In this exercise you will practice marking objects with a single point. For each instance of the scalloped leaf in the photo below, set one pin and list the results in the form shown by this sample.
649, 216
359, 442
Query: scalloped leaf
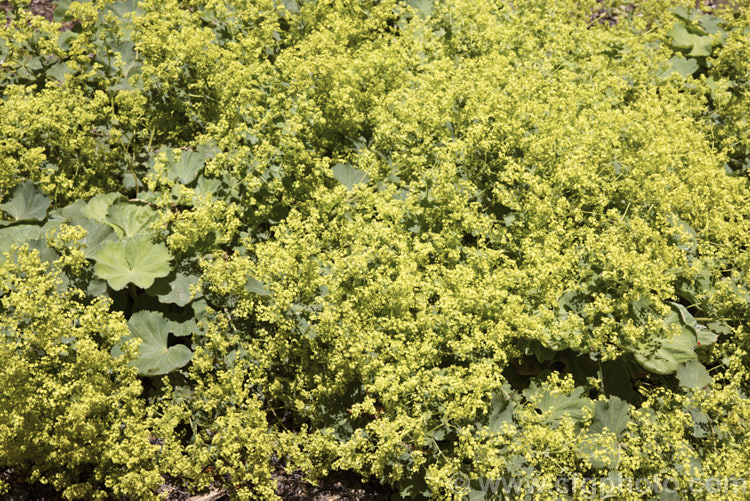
256, 287
132, 260
187, 168
129, 220
96, 233
98, 207
27, 203
675, 351
558, 405
613, 415
501, 411
684, 67
350, 176
155, 356
177, 291
423, 7
693, 375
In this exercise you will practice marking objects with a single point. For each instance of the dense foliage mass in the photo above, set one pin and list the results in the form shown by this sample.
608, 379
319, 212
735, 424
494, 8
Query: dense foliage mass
432, 243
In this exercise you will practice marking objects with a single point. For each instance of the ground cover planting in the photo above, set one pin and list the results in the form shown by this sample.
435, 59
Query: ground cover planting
458, 249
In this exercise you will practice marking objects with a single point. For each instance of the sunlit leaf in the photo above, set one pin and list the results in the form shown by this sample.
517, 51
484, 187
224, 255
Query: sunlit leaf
684, 67
155, 356
613, 415
255, 287
132, 260
98, 206
27, 203
350, 176
130, 219
693, 375
187, 168
177, 291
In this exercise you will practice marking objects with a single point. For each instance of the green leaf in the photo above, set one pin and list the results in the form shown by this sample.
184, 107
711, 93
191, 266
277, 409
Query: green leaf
693, 375
701, 422
132, 260
178, 290
129, 220
255, 287
124, 7
672, 352
61, 8
601, 452
98, 206
131, 66
27, 203
96, 288
96, 233
350, 176
699, 46
206, 186
501, 411
18, 235
156, 358
58, 71
290, 5
423, 7
720, 327
702, 46
681, 38
711, 24
613, 415
684, 13
559, 405
684, 315
182, 329
187, 168
685, 67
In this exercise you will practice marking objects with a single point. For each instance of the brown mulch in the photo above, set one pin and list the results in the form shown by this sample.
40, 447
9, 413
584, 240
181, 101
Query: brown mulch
338, 486
44, 8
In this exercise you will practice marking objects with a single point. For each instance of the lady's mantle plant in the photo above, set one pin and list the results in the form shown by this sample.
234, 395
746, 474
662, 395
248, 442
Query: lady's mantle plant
419, 241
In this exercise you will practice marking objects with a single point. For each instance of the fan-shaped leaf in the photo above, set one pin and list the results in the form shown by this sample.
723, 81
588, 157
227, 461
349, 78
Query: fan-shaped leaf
156, 358
98, 206
672, 352
613, 415
255, 287
178, 290
129, 220
186, 328
349, 176
186, 169
27, 202
681, 38
558, 405
206, 186
132, 260
693, 375
685, 67
96, 233
500, 412
16, 235
423, 7
601, 451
